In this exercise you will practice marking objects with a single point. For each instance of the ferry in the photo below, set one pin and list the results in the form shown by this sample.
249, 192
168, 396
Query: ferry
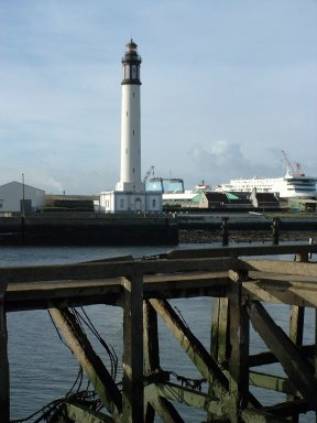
292, 185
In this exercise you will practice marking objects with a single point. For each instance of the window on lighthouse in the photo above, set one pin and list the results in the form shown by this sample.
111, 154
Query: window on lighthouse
126, 72
134, 72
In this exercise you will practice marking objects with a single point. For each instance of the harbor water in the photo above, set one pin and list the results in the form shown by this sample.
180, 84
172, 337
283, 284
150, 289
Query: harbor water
43, 369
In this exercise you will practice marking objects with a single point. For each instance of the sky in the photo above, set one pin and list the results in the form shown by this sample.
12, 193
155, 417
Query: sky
226, 85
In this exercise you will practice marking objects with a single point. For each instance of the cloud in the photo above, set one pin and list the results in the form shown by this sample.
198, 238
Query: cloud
223, 160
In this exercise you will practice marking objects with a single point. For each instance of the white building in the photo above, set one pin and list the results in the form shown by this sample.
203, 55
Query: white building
13, 193
130, 194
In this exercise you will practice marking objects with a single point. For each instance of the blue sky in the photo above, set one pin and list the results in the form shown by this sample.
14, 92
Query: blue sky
226, 86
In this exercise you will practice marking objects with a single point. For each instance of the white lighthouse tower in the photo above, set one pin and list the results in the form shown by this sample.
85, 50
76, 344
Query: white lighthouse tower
130, 174
130, 195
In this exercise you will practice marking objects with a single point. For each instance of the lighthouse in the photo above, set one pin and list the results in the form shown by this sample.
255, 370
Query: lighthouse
130, 195
130, 164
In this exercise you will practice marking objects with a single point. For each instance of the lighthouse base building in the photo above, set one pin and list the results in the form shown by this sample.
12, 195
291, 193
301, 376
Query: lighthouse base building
130, 194
121, 202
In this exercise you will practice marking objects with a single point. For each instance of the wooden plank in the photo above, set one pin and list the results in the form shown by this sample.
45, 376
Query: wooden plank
243, 251
4, 362
296, 367
282, 266
81, 414
275, 293
36, 295
205, 364
90, 362
88, 271
132, 382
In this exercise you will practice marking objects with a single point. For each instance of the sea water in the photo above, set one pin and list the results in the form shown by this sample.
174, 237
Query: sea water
43, 369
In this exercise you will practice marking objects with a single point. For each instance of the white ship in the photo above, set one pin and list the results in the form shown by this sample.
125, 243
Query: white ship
295, 184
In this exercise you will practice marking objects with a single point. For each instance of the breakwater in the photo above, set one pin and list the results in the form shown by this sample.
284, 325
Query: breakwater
95, 230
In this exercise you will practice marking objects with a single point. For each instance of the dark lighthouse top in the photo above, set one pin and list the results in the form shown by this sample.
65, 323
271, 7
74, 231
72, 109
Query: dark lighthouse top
131, 62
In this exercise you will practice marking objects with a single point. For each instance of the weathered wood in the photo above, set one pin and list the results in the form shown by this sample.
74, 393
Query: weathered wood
4, 362
205, 364
166, 410
102, 270
90, 362
151, 352
81, 414
189, 397
296, 331
274, 292
268, 357
132, 382
296, 367
243, 251
282, 266
36, 295
239, 349
271, 382
219, 331
288, 408
259, 416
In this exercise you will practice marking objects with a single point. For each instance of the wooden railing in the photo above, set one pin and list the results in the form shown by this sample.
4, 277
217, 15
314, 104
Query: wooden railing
142, 288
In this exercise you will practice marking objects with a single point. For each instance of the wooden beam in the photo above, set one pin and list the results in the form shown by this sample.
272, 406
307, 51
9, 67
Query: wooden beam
205, 364
271, 382
259, 416
190, 398
220, 330
275, 292
239, 349
282, 266
243, 251
4, 362
132, 383
268, 357
296, 367
102, 270
81, 414
151, 352
90, 362
165, 410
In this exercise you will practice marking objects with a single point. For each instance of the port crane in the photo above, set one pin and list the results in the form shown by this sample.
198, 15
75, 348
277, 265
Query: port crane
294, 168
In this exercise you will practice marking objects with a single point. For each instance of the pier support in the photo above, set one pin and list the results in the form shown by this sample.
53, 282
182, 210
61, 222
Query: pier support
132, 383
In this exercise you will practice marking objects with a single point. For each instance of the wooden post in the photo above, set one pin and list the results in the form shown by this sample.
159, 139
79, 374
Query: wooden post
275, 230
151, 351
4, 362
296, 329
239, 351
132, 389
225, 231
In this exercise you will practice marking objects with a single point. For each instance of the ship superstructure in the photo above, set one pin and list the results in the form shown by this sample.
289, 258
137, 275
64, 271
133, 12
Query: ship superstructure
295, 184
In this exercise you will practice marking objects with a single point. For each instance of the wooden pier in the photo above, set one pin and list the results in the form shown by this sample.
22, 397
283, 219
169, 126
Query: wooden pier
240, 288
